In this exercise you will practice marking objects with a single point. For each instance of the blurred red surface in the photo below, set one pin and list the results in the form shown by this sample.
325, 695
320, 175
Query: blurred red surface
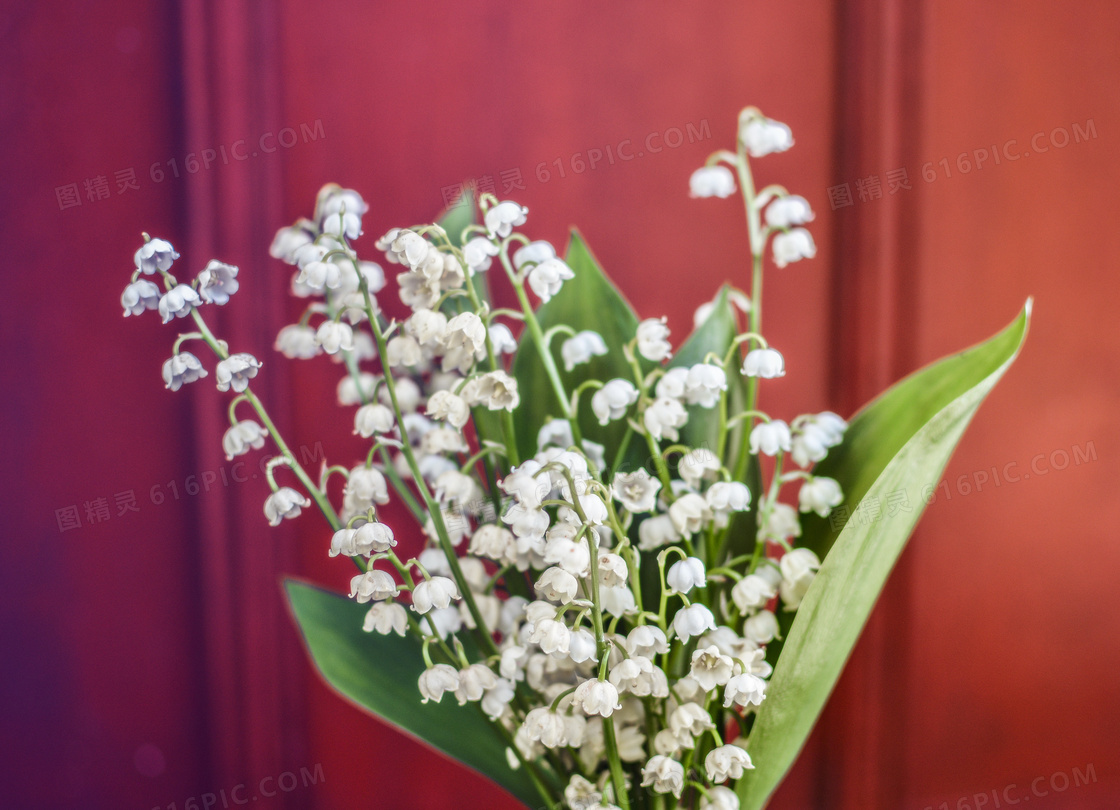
148, 656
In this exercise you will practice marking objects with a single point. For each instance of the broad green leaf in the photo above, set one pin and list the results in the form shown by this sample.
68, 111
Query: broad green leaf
379, 674
899, 443
587, 301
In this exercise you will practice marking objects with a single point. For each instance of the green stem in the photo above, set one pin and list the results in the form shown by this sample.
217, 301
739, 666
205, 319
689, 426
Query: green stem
316, 494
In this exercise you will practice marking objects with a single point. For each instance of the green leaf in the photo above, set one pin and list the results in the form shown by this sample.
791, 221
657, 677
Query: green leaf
379, 674
900, 442
587, 301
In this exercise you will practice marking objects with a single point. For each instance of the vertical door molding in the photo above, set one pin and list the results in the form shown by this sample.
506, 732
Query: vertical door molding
232, 91
878, 97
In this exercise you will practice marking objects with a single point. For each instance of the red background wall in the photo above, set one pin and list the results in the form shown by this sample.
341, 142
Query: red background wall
148, 657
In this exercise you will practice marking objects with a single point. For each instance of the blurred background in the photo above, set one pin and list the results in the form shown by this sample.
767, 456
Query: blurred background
961, 156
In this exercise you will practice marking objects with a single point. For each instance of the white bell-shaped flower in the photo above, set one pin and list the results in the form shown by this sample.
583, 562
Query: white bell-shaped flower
710, 668
686, 574
785, 212
450, 408
765, 363
764, 136
474, 680
581, 347
535, 252
353, 392
154, 255
384, 618
636, 491
479, 253
372, 538
178, 302
297, 342
335, 337
437, 592
726, 762
728, 496
181, 369
664, 775
653, 340
426, 326
372, 420
290, 239
689, 513
770, 437
752, 592
612, 400
744, 689
436, 680
503, 218
403, 246
711, 181
546, 278
236, 371
663, 416
217, 282
501, 338
319, 276
703, 385
761, 628
140, 296
497, 390
820, 494
373, 586
719, 797
793, 246
692, 621
284, 503
242, 437
596, 697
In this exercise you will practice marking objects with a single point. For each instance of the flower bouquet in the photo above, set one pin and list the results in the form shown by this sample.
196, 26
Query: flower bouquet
614, 606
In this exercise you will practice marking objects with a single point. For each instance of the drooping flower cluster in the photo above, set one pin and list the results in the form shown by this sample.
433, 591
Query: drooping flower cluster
623, 612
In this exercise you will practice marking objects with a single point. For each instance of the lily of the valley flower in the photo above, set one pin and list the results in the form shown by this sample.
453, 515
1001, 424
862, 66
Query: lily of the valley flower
686, 574
726, 762
297, 341
140, 296
504, 217
711, 181
242, 437
819, 494
236, 371
770, 437
436, 592
284, 503
612, 400
385, 618
335, 337
664, 775
436, 680
217, 282
764, 136
785, 212
181, 369
653, 340
155, 255
546, 278
178, 302
535, 252
793, 246
765, 363
581, 347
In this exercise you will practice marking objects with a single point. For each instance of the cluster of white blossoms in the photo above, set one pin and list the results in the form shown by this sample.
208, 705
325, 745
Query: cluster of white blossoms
623, 617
